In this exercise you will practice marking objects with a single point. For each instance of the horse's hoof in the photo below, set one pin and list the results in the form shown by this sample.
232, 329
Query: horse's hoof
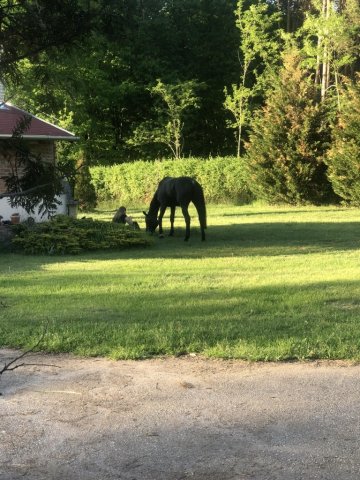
186, 239
161, 235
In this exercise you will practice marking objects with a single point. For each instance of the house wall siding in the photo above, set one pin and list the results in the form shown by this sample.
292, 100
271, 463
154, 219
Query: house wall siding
45, 149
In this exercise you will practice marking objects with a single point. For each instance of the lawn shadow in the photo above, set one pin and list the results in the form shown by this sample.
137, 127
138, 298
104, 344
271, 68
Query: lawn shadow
236, 240
294, 212
260, 239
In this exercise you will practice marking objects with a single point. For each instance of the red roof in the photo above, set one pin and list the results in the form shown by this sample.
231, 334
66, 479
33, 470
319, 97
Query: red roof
38, 129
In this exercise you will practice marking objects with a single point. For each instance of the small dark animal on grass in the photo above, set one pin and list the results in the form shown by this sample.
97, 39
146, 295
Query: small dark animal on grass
176, 192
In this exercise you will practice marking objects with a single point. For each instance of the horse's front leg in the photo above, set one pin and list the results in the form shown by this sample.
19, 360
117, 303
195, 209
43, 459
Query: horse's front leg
187, 217
161, 214
172, 220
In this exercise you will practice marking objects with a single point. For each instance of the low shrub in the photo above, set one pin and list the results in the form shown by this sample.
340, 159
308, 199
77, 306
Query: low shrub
64, 235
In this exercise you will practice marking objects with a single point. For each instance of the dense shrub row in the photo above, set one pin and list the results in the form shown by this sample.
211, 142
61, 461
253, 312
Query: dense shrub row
223, 179
65, 235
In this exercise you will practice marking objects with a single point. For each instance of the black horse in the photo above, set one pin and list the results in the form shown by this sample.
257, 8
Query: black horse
174, 192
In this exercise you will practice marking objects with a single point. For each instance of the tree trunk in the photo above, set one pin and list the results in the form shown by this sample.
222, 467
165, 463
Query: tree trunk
325, 81
288, 16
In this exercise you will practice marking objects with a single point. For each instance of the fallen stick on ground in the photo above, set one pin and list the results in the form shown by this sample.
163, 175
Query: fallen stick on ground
11, 366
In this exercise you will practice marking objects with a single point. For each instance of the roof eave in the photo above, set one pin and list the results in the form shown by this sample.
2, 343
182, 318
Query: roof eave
42, 137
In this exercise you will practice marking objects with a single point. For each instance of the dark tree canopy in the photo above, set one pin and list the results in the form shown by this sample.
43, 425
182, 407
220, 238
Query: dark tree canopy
106, 80
28, 28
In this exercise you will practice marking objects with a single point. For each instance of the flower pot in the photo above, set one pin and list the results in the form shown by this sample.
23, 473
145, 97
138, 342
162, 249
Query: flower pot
15, 218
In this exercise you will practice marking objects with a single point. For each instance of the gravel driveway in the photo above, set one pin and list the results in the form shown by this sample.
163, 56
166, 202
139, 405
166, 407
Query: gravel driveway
177, 419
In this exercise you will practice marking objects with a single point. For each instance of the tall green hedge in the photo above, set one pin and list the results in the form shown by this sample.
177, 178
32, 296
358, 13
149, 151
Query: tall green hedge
223, 179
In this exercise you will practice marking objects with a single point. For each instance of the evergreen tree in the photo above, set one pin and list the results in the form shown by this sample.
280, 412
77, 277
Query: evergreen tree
289, 140
343, 158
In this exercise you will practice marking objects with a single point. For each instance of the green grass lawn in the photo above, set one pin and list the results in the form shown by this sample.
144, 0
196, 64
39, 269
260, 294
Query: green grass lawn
269, 283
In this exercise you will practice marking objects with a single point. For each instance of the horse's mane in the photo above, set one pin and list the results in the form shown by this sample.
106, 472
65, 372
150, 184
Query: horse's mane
154, 205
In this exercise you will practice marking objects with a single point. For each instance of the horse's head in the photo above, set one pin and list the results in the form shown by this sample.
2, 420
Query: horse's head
151, 222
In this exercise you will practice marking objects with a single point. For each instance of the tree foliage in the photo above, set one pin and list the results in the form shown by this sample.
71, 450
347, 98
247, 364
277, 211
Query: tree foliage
343, 159
104, 86
330, 37
102, 90
106, 91
289, 140
28, 28
175, 100
260, 49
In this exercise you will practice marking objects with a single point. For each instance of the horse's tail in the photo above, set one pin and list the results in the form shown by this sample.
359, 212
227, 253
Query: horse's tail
200, 206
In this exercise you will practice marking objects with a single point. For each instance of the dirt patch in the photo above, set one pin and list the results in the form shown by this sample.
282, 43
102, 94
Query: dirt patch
177, 419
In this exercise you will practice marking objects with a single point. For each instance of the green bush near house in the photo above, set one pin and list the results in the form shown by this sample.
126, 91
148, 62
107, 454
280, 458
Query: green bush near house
64, 235
223, 179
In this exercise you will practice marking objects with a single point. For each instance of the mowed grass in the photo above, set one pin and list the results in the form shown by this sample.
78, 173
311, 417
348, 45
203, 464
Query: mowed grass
269, 283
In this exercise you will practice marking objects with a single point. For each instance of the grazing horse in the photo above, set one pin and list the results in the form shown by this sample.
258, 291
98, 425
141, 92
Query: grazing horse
174, 192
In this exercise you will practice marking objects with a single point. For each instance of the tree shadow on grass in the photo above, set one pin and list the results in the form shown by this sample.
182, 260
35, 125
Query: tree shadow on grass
237, 240
294, 212
262, 239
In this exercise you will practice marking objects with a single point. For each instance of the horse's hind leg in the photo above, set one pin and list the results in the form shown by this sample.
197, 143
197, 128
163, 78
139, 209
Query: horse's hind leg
172, 220
187, 217
161, 214
201, 209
